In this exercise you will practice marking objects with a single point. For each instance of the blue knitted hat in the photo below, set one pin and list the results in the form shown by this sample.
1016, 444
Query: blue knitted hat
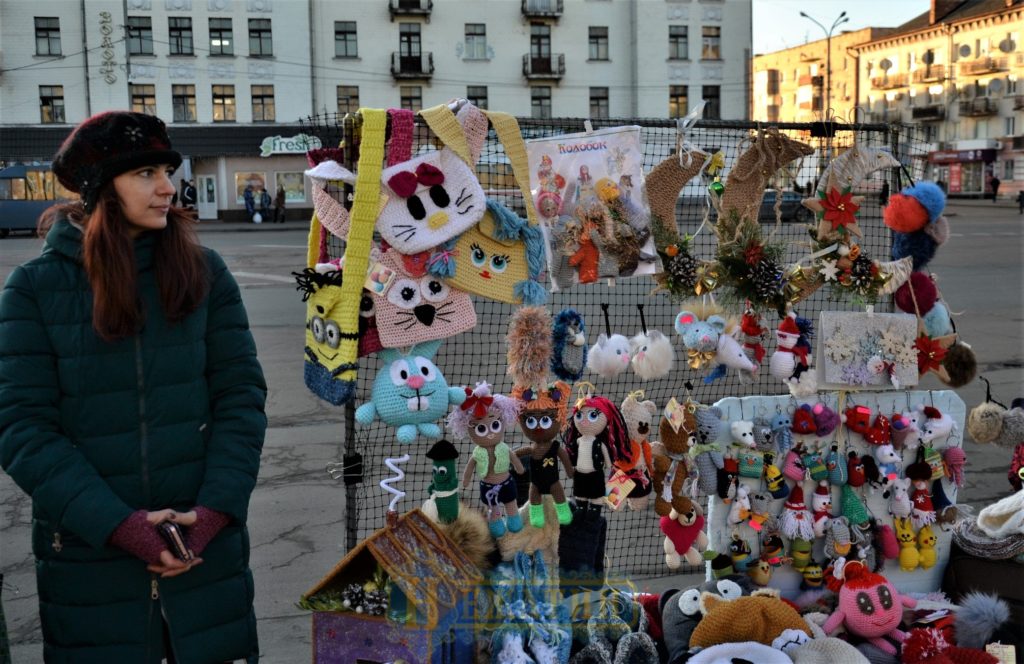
930, 196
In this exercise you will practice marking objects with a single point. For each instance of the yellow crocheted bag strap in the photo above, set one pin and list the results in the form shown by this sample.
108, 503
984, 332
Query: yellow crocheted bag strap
443, 122
507, 129
360, 235
313, 251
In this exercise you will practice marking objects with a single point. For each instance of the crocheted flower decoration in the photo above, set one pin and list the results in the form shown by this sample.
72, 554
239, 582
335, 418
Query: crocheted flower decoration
829, 270
839, 208
930, 354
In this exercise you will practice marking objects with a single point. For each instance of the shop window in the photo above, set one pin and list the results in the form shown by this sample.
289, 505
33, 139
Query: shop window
221, 37
294, 185
51, 104
348, 99
183, 101
143, 98
261, 41
263, 103
346, 44
256, 179
223, 103
677, 102
140, 35
47, 36
179, 34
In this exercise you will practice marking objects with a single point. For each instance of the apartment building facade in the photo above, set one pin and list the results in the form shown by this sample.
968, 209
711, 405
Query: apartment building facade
233, 77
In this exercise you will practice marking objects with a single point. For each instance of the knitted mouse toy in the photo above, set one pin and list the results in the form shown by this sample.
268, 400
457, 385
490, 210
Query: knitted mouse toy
869, 606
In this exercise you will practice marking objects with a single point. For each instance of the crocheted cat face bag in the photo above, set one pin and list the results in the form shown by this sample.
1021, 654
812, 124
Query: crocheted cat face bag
410, 393
418, 306
501, 258
432, 199
322, 293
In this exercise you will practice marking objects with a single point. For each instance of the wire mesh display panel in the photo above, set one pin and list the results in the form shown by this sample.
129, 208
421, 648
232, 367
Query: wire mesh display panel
634, 541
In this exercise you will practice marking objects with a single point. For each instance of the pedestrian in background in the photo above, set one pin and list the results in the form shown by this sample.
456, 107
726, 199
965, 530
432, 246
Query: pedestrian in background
279, 205
250, 202
995, 187
188, 193
265, 203
131, 397
1020, 201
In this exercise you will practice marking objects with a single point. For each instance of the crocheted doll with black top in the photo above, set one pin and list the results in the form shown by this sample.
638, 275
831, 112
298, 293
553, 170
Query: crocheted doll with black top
483, 418
542, 418
596, 439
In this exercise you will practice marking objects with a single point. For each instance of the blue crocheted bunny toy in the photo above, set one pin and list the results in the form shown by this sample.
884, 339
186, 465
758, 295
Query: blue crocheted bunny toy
410, 393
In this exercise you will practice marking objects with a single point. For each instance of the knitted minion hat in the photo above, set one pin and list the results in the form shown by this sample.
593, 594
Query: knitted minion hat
108, 144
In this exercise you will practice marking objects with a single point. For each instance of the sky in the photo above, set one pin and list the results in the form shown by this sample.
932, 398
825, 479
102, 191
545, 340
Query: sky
778, 25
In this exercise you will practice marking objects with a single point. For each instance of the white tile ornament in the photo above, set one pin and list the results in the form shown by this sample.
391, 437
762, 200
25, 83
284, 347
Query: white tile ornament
712, 72
220, 5
678, 13
258, 6
261, 70
141, 71
178, 5
787, 579
221, 70
181, 71
866, 350
712, 13
140, 5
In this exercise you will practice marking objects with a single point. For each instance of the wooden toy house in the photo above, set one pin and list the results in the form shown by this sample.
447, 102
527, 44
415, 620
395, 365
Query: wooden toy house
432, 598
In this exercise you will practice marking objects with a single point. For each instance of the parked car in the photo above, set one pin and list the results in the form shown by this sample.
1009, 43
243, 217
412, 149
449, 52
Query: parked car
25, 192
792, 209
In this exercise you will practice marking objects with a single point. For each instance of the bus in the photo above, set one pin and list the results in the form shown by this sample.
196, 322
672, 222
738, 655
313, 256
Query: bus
25, 191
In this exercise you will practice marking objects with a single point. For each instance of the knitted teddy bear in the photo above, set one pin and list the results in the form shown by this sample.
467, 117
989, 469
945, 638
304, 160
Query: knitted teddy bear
760, 617
639, 417
685, 538
869, 606
669, 459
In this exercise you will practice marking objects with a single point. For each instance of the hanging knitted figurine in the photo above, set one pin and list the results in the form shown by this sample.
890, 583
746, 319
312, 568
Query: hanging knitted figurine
781, 432
792, 359
483, 418
707, 456
711, 340
774, 479
909, 556
542, 418
920, 473
838, 538
677, 430
855, 470
740, 552
926, 547
852, 506
529, 346
610, 355
753, 339
837, 466
826, 420
443, 504
639, 417
739, 510
652, 354
821, 503
898, 493
569, 346
796, 521
596, 438
869, 606
800, 551
857, 419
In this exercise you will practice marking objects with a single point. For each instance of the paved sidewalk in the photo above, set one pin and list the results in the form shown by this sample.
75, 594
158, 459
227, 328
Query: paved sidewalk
221, 226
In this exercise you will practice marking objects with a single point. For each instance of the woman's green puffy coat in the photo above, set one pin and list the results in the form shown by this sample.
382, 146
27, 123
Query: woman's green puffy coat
172, 417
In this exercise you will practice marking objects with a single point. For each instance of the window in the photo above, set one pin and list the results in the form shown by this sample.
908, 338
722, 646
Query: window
412, 97
143, 98
51, 103
348, 99
263, 103
1011, 127
183, 100
47, 36
477, 95
598, 43
345, 42
598, 102
261, 42
540, 41
223, 103
540, 102
712, 94
678, 42
140, 35
677, 102
1008, 168
773, 82
1011, 85
409, 41
179, 33
476, 41
711, 44
221, 37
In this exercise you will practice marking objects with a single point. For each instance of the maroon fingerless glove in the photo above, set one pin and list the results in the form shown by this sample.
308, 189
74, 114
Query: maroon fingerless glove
208, 524
137, 536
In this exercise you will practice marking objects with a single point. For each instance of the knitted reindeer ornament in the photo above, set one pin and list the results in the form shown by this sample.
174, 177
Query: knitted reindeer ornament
569, 341
869, 606
652, 354
529, 346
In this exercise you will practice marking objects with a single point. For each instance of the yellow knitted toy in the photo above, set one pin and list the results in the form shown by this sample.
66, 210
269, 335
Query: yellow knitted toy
910, 557
926, 542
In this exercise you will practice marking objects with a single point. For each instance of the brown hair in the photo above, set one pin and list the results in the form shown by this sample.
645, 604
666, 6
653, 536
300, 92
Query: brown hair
108, 254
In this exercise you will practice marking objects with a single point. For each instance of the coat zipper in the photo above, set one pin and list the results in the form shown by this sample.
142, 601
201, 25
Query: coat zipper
143, 438
57, 545
154, 595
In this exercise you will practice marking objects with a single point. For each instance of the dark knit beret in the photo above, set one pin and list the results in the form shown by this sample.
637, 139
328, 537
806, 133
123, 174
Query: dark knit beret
108, 144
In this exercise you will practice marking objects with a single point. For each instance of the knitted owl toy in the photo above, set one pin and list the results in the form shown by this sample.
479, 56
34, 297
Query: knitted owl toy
869, 606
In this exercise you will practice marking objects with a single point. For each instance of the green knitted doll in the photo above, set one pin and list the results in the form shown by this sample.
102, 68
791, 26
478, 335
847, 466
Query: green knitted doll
444, 487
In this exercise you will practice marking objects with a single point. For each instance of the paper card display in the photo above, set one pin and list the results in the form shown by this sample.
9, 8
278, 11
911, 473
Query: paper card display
867, 350
617, 489
588, 189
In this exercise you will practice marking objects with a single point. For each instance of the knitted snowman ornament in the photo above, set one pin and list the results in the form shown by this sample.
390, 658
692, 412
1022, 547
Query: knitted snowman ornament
792, 358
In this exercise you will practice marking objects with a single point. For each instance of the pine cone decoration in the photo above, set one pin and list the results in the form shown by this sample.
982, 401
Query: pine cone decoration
766, 278
375, 603
861, 272
353, 596
682, 268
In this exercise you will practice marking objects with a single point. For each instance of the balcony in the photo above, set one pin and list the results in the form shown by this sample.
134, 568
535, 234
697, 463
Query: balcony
930, 113
412, 66
542, 8
410, 8
1018, 103
551, 67
889, 82
978, 107
985, 65
929, 74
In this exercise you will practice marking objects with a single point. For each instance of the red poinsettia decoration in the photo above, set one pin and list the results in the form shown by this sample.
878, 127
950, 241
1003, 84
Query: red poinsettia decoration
753, 254
839, 207
930, 354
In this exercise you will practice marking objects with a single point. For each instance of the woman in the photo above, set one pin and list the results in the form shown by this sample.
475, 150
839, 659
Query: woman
130, 395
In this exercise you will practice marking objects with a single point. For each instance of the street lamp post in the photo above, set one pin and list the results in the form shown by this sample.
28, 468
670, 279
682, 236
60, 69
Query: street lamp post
842, 18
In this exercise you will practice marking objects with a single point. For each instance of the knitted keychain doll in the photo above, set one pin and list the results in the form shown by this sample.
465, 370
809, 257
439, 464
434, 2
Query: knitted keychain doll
796, 520
443, 504
596, 438
610, 355
639, 417
542, 419
869, 606
920, 473
792, 358
652, 354
483, 418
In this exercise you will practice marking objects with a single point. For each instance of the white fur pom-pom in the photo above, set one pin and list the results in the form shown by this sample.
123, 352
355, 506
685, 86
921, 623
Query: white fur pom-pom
652, 355
609, 356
